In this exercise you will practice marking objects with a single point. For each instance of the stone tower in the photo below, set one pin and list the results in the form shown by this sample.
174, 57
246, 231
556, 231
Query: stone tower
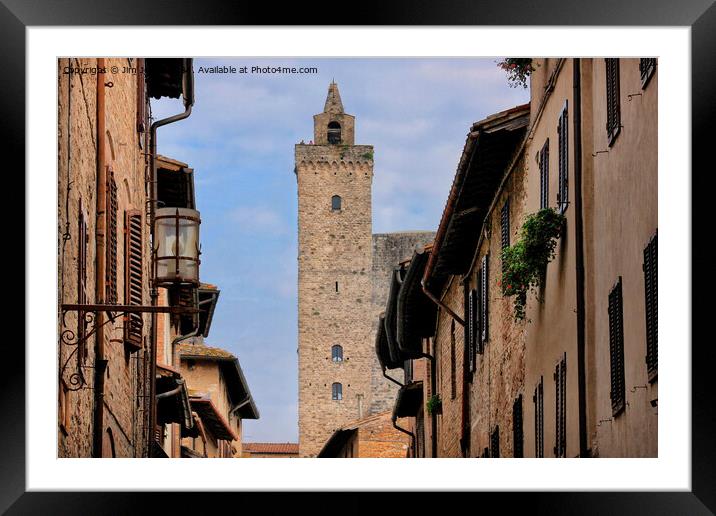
335, 348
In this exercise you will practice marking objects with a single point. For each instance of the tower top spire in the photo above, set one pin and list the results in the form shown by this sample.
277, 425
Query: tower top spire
333, 100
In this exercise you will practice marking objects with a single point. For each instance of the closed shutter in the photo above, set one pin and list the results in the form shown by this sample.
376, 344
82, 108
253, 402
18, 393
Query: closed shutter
544, 175
111, 241
538, 400
517, 428
141, 97
133, 276
613, 102
562, 131
647, 66
478, 314
484, 295
560, 380
505, 224
616, 348
651, 305
470, 330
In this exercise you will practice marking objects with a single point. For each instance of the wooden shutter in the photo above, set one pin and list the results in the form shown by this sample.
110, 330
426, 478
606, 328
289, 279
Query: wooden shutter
651, 307
563, 132
616, 348
133, 276
141, 97
470, 330
538, 400
647, 66
517, 428
560, 380
613, 102
485, 308
453, 360
505, 224
544, 175
478, 314
111, 240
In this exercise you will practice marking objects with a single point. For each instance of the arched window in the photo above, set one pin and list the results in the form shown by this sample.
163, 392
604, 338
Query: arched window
337, 391
337, 353
334, 133
336, 203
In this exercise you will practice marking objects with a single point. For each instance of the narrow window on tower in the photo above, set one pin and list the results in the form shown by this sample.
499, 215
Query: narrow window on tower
336, 203
336, 286
337, 353
334, 133
337, 391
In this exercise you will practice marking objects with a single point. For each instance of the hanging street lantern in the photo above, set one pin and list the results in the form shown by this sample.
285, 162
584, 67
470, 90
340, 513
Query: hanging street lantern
176, 246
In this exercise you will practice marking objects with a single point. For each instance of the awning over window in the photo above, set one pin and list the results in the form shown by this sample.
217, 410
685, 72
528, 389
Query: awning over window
391, 317
408, 401
212, 419
172, 398
382, 348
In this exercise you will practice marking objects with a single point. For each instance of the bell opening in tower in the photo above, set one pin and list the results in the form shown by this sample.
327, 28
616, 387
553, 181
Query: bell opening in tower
334, 133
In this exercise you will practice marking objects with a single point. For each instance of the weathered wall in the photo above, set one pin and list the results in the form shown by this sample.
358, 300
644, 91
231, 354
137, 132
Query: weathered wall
334, 249
624, 219
389, 249
77, 134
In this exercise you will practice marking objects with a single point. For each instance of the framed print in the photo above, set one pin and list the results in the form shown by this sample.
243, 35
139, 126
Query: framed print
459, 247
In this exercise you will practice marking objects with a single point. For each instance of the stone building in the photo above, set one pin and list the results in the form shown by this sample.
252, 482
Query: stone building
577, 375
103, 364
370, 437
339, 263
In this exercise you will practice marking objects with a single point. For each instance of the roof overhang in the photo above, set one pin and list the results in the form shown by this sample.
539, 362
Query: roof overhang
336, 442
391, 317
382, 350
172, 398
208, 299
416, 314
408, 400
212, 419
489, 149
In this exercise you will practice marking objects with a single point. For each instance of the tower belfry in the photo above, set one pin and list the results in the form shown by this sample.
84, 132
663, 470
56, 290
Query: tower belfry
335, 348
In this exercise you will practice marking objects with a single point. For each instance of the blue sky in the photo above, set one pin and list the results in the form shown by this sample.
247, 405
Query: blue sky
240, 139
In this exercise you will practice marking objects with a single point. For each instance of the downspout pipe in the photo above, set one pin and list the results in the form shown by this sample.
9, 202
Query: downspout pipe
175, 364
100, 265
579, 260
154, 292
391, 379
442, 305
411, 434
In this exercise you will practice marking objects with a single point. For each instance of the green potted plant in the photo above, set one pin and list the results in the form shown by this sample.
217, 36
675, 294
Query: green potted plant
434, 405
518, 69
525, 262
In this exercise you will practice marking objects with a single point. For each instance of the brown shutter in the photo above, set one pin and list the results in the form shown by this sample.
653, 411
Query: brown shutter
562, 131
141, 97
544, 175
616, 348
111, 240
538, 400
133, 276
560, 379
613, 106
485, 294
469, 323
478, 314
651, 307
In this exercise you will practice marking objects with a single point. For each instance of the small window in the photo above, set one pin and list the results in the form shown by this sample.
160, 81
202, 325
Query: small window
563, 133
336, 203
337, 391
544, 176
613, 100
616, 348
337, 353
334, 133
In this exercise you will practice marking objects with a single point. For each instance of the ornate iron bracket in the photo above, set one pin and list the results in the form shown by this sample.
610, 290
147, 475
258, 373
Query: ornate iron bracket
87, 316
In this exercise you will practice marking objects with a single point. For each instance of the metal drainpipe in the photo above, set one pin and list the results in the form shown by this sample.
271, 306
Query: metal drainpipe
390, 378
442, 305
579, 259
100, 265
154, 293
411, 434
176, 341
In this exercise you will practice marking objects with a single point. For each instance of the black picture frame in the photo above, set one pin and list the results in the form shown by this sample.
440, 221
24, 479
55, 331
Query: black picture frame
700, 15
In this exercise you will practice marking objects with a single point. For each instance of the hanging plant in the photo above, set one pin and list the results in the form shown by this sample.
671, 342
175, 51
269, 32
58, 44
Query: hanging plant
518, 69
524, 263
434, 405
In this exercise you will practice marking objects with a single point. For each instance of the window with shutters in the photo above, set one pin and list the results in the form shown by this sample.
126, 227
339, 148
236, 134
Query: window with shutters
470, 324
505, 224
111, 240
544, 176
484, 309
613, 101
560, 381
647, 67
133, 276
337, 391
563, 133
495, 442
517, 428
82, 237
538, 400
651, 306
616, 348
479, 348
453, 365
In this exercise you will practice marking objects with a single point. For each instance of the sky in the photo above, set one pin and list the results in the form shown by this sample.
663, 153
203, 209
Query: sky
240, 141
